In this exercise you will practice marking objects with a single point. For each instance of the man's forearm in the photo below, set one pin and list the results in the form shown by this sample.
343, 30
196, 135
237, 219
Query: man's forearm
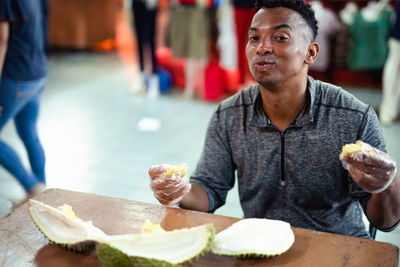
4, 32
384, 208
196, 199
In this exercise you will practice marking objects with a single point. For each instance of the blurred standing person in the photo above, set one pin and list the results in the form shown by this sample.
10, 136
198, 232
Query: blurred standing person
243, 14
144, 19
391, 75
23, 69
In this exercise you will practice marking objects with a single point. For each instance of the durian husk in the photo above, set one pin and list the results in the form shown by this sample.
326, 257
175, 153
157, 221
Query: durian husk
61, 226
167, 248
152, 247
256, 238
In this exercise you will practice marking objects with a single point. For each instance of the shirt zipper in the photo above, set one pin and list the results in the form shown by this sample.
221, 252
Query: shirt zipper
283, 178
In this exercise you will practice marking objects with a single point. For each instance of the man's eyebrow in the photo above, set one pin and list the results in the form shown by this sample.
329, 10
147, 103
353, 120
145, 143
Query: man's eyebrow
283, 26
275, 28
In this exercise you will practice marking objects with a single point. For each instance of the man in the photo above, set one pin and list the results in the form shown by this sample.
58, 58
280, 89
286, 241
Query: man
283, 138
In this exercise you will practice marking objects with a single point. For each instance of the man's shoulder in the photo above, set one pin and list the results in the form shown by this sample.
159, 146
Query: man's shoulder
242, 99
333, 96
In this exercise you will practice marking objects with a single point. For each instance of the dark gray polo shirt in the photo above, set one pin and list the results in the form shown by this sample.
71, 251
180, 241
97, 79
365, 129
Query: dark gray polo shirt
295, 176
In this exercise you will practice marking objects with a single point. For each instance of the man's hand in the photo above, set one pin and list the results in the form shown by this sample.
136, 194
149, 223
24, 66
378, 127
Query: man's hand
374, 170
167, 190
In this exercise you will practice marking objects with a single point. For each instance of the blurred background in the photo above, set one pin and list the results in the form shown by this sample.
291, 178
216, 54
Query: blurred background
123, 96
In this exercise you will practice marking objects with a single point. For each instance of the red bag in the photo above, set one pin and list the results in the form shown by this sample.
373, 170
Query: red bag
213, 81
176, 67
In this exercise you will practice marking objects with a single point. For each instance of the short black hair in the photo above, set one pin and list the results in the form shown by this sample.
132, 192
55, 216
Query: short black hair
304, 9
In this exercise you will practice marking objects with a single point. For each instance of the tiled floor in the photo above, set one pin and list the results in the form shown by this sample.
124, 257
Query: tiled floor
89, 128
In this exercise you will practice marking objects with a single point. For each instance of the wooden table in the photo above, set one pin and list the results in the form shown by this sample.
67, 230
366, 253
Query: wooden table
22, 244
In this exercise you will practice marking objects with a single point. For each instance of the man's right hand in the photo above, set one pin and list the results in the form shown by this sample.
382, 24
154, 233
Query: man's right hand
168, 190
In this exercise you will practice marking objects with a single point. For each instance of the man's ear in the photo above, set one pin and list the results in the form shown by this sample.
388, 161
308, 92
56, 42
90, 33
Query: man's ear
312, 53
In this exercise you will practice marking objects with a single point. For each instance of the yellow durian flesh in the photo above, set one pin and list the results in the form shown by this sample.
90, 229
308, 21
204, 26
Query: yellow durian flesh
162, 248
61, 225
176, 172
149, 227
255, 238
67, 210
350, 150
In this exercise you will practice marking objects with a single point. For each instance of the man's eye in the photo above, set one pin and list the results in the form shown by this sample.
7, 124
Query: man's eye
253, 38
281, 38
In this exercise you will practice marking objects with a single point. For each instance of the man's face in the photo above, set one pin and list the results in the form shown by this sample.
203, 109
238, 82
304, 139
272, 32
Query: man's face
279, 40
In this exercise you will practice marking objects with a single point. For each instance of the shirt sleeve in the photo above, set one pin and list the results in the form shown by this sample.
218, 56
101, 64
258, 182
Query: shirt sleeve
10, 11
215, 170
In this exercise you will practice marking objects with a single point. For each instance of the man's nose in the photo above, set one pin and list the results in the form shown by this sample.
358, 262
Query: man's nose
264, 47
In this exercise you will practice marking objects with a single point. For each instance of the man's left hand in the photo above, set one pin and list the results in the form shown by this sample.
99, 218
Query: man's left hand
374, 170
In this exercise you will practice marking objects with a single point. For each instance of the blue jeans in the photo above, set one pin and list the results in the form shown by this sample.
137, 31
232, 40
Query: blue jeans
20, 101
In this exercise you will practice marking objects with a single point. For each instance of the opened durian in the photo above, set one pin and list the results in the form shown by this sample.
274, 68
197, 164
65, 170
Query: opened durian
158, 248
254, 238
63, 227
152, 247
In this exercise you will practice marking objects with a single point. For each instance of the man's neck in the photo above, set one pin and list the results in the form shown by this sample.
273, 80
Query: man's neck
283, 103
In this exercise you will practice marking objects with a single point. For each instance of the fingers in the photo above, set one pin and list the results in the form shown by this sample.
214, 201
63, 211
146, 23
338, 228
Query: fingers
371, 169
163, 183
172, 195
167, 186
167, 190
368, 181
377, 159
373, 156
157, 171
370, 178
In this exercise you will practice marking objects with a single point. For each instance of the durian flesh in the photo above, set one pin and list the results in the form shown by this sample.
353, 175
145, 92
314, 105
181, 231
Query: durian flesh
351, 150
176, 172
61, 225
254, 238
153, 247
159, 248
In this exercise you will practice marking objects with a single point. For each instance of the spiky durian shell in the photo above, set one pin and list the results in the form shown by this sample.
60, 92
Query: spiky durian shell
111, 256
62, 229
255, 238
85, 247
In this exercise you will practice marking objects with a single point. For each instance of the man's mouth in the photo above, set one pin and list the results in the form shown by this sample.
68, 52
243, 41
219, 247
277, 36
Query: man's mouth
263, 65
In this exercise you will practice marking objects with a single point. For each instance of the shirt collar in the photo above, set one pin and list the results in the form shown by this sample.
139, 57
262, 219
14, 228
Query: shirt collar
260, 119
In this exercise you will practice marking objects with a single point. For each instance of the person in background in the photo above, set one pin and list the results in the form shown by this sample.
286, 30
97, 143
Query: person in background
189, 39
243, 13
144, 17
23, 70
283, 136
391, 75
